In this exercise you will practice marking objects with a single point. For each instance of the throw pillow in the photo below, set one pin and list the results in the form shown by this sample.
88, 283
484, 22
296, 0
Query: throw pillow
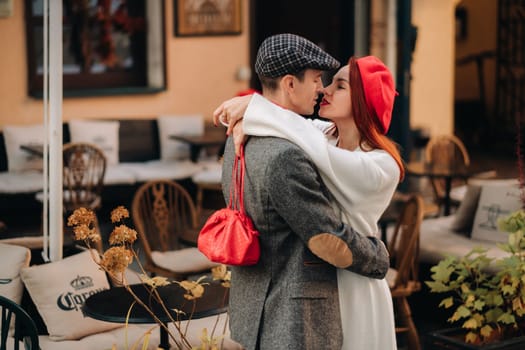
15, 136
18, 257
464, 216
59, 290
495, 201
101, 133
11, 285
190, 125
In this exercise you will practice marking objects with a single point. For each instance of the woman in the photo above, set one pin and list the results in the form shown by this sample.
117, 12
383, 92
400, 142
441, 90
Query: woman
358, 163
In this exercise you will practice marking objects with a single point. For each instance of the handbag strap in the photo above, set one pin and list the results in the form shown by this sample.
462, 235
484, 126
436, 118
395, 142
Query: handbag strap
237, 184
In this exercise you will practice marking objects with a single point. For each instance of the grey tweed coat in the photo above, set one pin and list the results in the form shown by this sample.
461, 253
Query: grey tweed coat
289, 299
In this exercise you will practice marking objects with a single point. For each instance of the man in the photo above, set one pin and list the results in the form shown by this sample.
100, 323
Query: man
289, 299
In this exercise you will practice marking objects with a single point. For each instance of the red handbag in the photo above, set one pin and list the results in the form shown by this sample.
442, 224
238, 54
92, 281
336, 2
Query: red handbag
228, 236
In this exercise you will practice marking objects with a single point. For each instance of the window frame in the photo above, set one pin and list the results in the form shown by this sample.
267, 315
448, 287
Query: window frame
152, 79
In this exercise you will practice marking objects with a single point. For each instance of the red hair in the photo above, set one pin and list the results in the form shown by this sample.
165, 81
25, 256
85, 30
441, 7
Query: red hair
369, 125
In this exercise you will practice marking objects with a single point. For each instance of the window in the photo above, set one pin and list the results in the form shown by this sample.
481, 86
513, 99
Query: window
110, 46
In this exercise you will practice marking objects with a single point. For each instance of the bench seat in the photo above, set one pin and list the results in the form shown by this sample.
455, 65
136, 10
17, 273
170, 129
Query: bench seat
21, 182
157, 170
117, 336
437, 240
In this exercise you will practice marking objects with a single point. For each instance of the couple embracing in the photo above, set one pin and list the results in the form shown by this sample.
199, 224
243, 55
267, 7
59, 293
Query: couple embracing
315, 191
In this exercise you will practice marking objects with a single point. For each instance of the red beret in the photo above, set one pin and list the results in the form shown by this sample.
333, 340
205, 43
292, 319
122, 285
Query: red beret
379, 88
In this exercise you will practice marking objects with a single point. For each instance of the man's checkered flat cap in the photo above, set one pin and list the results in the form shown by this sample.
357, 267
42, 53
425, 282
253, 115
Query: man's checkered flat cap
283, 54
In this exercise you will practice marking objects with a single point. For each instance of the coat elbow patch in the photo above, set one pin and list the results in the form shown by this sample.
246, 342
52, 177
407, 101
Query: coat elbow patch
331, 249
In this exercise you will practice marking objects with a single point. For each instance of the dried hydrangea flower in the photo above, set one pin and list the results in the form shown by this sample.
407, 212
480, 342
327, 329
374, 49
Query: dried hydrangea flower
119, 213
122, 234
116, 259
222, 274
194, 289
94, 236
154, 282
82, 216
84, 232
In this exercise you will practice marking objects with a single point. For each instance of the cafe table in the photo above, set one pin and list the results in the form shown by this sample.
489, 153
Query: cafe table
446, 172
113, 305
211, 138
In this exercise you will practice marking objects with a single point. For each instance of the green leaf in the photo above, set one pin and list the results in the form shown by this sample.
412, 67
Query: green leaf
478, 305
471, 337
442, 271
507, 318
465, 288
508, 289
447, 302
498, 300
471, 323
486, 331
517, 304
461, 312
492, 315
437, 287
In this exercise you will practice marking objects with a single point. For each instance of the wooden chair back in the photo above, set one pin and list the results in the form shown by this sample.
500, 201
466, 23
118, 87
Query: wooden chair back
84, 168
445, 150
404, 252
162, 211
404, 245
24, 328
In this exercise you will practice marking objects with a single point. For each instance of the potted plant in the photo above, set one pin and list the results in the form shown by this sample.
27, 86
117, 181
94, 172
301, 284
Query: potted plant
489, 307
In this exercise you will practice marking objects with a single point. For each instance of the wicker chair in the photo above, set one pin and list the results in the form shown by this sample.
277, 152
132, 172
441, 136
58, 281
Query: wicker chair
165, 218
449, 150
445, 150
84, 169
402, 277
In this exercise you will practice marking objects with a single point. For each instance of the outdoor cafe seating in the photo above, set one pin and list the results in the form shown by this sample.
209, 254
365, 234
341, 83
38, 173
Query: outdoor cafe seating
166, 221
402, 277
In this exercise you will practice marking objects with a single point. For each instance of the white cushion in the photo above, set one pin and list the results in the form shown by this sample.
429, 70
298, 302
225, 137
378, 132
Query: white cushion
59, 289
189, 125
14, 258
118, 174
464, 215
437, 240
183, 260
31, 242
134, 331
15, 136
11, 287
211, 173
26, 182
102, 133
105, 340
495, 201
158, 170
457, 193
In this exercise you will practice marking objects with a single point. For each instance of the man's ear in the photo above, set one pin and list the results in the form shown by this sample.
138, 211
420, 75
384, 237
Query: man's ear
288, 83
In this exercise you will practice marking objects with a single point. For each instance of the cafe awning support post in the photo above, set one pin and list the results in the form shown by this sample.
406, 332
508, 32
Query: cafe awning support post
53, 205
